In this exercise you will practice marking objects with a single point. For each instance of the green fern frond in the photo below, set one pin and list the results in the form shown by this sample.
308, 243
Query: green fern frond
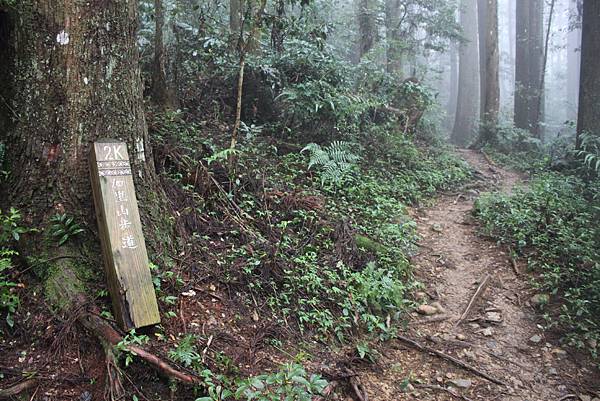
334, 160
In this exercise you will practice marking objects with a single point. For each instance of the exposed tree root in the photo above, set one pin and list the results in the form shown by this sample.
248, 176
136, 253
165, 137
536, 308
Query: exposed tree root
104, 332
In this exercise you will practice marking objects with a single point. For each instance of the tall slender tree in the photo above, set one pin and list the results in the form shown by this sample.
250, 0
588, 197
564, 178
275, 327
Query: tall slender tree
467, 108
573, 58
538, 129
536, 61
588, 119
482, 26
522, 65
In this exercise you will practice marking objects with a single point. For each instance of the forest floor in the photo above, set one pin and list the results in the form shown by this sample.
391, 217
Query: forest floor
501, 336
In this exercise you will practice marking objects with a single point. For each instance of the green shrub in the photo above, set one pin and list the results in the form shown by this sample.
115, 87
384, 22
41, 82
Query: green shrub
10, 230
555, 224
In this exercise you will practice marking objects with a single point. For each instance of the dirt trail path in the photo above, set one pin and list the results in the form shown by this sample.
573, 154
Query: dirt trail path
505, 342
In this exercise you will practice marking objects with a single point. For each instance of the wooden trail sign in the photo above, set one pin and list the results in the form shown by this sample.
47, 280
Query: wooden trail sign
120, 229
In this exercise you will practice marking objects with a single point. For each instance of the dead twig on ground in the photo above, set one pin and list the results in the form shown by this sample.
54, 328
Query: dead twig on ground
480, 290
435, 319
440, 388
17, 388
449, 358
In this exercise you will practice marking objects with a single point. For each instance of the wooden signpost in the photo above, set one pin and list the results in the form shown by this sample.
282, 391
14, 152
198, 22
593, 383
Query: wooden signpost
120, 229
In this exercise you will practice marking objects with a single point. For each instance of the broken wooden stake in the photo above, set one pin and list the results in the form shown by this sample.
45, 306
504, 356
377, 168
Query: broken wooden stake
120, 230
480, 290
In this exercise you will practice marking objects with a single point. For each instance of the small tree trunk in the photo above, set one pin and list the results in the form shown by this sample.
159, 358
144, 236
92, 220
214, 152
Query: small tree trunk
159, 78
367, 27
277, 33
588, 120
392, 36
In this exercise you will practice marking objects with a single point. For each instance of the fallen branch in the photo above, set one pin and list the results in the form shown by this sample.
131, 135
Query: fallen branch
480, 290
450, 358
440, 388
17, 388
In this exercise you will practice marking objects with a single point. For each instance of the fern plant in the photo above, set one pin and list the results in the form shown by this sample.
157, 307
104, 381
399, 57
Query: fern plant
590, 152
335, 161
185, 352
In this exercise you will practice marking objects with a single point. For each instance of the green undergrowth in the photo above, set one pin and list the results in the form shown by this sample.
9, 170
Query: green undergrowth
328, 257
554, 224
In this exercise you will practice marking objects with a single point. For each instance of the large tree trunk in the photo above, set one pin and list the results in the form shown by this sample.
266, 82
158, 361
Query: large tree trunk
367, 27
467, 109
573, 59
522, 66
536, 60
76, 71
589, 90
392, 36
77, 74
75, 68
491, 101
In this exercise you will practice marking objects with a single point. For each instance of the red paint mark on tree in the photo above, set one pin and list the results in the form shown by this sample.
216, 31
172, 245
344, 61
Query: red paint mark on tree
53, 152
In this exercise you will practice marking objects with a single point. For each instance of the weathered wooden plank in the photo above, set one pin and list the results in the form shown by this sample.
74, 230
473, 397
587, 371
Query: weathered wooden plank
121, 237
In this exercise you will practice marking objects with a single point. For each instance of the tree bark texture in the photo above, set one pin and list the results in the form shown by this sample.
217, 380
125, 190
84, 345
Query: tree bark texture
467, 109
589, 90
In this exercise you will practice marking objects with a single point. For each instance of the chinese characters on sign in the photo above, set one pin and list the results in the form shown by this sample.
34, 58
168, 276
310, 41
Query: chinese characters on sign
127, 238
120, 230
